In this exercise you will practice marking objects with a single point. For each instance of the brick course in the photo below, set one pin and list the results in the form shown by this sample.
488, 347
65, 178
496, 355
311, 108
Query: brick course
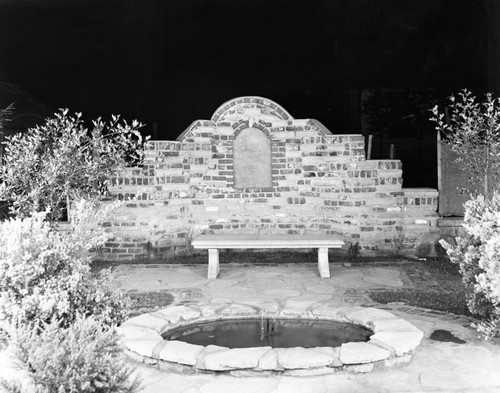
321, 183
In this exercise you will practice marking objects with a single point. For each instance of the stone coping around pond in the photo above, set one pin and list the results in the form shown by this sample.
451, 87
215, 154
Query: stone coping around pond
393, 342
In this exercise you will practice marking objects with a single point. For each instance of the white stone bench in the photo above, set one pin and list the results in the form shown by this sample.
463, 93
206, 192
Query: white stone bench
215, 242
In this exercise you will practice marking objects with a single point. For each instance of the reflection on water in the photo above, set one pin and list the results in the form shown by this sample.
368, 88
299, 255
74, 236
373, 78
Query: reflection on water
277, 333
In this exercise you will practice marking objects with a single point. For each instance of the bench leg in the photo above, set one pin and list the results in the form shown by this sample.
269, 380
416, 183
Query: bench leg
323, 266
213, 262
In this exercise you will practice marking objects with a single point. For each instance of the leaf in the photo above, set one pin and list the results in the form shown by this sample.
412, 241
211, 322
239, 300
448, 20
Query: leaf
63, 158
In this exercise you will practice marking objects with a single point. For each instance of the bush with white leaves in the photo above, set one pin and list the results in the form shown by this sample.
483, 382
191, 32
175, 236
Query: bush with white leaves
84, 357
45, 273
478, 255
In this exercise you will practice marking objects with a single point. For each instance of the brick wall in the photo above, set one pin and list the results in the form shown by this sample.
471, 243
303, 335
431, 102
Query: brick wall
321, 183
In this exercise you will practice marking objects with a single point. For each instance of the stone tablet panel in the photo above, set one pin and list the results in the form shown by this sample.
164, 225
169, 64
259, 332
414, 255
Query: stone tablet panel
252, 159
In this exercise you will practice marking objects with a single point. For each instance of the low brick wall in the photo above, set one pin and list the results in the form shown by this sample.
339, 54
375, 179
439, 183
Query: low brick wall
321, 183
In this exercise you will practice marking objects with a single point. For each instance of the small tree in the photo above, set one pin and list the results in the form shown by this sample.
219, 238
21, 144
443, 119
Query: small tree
63, 161
473, 133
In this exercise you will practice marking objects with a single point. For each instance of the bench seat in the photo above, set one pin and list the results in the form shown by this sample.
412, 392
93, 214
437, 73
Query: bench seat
215, 242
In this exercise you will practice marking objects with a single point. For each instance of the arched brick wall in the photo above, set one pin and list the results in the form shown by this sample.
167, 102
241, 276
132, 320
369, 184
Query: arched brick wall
320, 183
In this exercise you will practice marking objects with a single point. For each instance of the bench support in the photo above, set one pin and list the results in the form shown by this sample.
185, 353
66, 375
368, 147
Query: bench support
323, 266
213, 262
213, 243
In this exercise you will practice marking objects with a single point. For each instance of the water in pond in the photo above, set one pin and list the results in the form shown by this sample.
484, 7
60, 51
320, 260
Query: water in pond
277, 333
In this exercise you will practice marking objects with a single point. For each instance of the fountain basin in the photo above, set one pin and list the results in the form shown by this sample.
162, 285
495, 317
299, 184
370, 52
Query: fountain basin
393, 342
270, 332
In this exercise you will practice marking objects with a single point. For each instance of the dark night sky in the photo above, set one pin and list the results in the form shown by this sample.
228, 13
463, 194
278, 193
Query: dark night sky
175, 61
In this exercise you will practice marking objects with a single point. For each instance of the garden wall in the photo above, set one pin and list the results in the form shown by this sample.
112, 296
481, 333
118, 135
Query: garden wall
253, 168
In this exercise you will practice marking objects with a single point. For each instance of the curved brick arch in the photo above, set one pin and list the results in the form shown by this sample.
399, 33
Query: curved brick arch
250, 101
244, 124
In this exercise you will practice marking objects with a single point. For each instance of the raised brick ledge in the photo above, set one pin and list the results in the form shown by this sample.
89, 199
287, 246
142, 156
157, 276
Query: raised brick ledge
455, 222
393, 342
420, 192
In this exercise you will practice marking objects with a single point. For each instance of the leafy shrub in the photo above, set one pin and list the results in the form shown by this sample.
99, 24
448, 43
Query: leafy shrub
45, 273
447, 301
353, 252
62, 161
472, 132
84, 357
478, 255
13, 386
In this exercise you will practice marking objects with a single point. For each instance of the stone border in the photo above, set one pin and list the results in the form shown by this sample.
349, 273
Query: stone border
393, 342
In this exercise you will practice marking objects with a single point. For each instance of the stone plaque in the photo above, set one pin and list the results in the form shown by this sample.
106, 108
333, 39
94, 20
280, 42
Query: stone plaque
252, 159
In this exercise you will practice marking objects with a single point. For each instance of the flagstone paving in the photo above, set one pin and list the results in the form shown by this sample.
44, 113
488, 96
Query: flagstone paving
435, 367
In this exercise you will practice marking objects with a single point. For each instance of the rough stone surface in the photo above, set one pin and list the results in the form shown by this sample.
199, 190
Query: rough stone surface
236, 358
289, 386
458, 380
249, 373
360, 368
396, 361
200, 360
211, 310
399, 342
238, 310
269, 361
364, 316
334, 354
180, 352
143, 347
342, 313
293, 358
270, 309
392, 325
326, 311
170, 319
357, 352
294, 309
183, 312
147, 321
136, 332
311, 372
253, 385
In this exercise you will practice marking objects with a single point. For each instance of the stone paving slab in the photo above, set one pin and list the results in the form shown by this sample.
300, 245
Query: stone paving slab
235, 358
435, 367
475, 364
360, 352
398, 343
